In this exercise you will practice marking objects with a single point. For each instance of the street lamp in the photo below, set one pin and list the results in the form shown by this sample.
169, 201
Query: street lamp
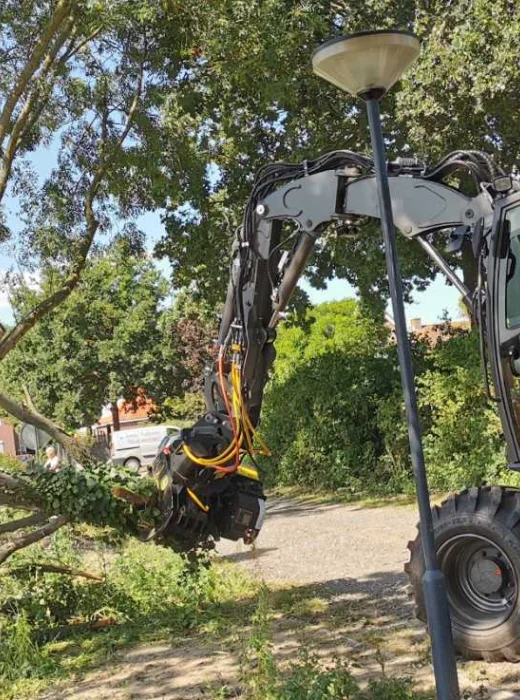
366, 65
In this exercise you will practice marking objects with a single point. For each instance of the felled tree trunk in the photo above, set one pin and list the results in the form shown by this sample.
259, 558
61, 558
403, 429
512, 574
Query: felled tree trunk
29, 414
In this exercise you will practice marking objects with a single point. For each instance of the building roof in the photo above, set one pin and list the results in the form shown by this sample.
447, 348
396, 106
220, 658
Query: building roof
130, 411
433, 332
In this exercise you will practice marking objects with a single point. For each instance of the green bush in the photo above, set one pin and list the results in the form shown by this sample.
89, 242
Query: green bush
10, 464
334, 411
184, 409
463, 444
320, 416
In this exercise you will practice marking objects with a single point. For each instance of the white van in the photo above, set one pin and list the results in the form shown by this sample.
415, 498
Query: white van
137, 447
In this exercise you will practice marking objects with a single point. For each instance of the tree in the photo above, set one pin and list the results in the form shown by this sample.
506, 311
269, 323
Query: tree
320, 415
87, 81
73, 73
189, 335
250, 97
104, 342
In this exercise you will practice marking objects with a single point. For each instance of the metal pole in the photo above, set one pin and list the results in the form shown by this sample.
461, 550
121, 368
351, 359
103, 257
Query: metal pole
434, 587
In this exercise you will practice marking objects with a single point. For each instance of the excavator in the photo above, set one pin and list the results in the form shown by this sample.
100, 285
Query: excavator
208, 475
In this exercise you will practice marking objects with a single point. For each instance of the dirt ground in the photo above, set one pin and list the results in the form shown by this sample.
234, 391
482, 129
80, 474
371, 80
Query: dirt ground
347, 597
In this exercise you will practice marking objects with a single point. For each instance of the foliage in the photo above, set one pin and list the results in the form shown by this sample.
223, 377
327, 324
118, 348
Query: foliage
10, 464
191, 326
334, 412
94, 493
89, 495
102, 343
463, 443
190, 330
250, 97
19, 655
320, 415
146, 589
186, 408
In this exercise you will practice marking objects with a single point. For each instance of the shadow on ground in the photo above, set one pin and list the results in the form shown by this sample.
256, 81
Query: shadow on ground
369, 622
283, 507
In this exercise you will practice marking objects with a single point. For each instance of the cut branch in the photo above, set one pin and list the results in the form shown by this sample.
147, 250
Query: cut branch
29, 521
21, 541
56, 569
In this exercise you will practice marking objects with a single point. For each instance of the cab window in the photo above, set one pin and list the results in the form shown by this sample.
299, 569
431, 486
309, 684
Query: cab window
513, 270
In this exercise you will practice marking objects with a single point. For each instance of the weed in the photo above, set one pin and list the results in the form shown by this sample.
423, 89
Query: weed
152, 592
263, 678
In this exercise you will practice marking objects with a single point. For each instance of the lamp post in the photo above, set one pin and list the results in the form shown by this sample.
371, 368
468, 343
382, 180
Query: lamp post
366, 65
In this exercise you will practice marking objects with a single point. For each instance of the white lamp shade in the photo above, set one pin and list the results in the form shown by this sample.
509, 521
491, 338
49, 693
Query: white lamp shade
366, 61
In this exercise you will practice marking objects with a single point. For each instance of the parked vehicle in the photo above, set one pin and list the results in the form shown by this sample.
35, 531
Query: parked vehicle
137, 448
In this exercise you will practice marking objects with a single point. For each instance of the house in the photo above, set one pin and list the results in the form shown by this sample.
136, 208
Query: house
433, 332
8, 439
131, 414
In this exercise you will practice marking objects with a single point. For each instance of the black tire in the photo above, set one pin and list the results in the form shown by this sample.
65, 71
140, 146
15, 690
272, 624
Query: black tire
477, 536
133, 463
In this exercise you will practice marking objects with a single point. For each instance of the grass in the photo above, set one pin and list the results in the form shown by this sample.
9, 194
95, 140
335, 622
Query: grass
308, 677
155, 595
289, 639
305, 495
149, 592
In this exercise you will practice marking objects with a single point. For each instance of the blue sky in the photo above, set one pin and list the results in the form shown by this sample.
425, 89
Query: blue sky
428, 305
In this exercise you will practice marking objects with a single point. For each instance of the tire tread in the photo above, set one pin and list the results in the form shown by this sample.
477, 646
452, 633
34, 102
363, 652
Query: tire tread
497, 502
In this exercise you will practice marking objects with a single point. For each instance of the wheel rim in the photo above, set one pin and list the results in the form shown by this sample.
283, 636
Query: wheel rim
481, 582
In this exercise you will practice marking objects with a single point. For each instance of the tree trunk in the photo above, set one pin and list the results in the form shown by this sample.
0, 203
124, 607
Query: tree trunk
114, 408
74, 447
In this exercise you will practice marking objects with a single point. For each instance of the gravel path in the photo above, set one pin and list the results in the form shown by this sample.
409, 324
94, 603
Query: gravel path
352, 558
331, 544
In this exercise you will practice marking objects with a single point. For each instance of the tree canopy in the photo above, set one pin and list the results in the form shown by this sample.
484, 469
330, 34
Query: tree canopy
250, 96
104, 342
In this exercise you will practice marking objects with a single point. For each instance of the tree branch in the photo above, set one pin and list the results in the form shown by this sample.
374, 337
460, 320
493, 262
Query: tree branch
10, 339
75, 49
32, 537
15, 496
29, 521
19, 128
61, 11
28, 399
17, 493
26, 415
56, 569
